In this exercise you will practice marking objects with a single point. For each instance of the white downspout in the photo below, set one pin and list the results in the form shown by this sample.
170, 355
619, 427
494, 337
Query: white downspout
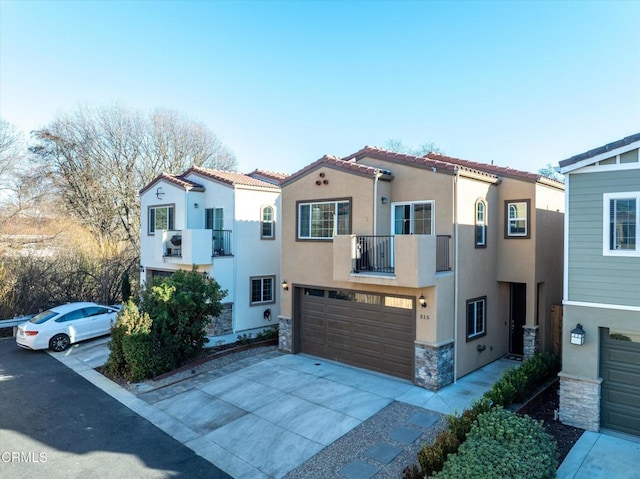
455, 275
376, 176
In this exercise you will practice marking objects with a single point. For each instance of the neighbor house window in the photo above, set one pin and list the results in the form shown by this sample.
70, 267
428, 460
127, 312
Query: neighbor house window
517, 219
413, 218
476, 317
621, 224
481, 224
213, 218
262, 289
323, 220
266, 223
160, 218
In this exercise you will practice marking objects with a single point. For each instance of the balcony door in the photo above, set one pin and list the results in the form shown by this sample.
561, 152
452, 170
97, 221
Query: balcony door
214, 220
413, 218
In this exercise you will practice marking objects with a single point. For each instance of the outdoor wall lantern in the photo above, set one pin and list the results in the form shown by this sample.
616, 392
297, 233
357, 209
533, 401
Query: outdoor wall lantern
285, 285
577, 335
423, 301
384, 200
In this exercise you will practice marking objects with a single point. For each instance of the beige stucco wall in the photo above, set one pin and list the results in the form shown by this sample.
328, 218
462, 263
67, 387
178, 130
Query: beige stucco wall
477, 275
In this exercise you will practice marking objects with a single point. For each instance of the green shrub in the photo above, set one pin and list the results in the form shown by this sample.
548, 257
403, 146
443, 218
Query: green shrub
180, 306
503, 445
269, 333
131, 344
515, 385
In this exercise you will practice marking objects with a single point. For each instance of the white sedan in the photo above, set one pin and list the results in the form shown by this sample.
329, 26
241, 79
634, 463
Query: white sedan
61, 326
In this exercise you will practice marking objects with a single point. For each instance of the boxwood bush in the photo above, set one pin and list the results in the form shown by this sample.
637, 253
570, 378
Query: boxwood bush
503, 445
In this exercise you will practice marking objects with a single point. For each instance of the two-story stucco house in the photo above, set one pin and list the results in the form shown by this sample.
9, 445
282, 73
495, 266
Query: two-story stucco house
227, 225
425, 268
600, 377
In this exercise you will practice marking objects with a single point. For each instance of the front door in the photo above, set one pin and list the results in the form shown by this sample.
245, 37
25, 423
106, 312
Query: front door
518, 316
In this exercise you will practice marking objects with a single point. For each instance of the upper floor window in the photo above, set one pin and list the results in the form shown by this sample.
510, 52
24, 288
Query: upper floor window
413, 218
621, 224
262, 289
323, 220
476, 318
517, 219
266, 223
481, 224
160, 218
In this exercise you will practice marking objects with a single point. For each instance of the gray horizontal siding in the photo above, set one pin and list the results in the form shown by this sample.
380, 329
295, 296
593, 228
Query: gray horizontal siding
594, 277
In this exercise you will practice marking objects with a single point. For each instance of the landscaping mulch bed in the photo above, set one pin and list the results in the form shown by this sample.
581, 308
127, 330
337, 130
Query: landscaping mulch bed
545, 410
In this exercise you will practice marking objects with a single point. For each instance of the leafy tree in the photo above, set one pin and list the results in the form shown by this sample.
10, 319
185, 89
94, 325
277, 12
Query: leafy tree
397, 146
97, 159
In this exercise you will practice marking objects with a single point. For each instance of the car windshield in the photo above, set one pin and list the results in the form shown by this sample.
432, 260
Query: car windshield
43, 317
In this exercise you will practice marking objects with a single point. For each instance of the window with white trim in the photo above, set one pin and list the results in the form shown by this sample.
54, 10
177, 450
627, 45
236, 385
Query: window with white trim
262, 289
481, 224
160, 218
517, 219
476, 317
413, 218
267, 230
324, 220
621, 223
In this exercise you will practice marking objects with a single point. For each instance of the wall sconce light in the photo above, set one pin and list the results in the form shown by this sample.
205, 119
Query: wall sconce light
141, 268
384, 200
196, 205
423, 301
285, 285
577, 335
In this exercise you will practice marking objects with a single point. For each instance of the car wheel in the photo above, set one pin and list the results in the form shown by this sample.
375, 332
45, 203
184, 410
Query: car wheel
59, 342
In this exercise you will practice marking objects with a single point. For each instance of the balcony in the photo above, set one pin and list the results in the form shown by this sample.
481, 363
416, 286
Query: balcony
191, 246
400, 260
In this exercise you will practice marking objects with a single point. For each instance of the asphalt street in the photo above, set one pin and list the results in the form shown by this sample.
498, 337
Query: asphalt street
55, 424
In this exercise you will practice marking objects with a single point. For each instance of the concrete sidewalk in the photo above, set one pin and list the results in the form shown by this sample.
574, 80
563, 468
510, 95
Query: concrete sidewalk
264, 417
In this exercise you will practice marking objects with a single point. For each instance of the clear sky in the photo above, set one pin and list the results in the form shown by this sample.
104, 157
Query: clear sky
520, 83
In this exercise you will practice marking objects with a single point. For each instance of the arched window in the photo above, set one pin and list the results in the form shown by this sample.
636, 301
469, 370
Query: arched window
481, 224
267, 224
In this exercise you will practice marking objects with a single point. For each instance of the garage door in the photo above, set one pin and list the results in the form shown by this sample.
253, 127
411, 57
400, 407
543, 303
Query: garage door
368, 330
620, 372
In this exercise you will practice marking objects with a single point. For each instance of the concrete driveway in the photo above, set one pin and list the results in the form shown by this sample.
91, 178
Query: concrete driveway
264, 418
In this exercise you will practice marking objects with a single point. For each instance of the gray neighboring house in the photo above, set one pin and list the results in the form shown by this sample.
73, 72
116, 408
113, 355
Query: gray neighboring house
600, 379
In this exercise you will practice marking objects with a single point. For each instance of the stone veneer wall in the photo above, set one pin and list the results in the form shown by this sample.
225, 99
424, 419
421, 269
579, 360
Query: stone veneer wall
580, 402
285, 335
434, 365
531, 338
223, 324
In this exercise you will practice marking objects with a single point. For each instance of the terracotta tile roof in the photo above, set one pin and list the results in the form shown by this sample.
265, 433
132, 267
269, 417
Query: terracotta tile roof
269, 176
176, 180
491, 169
336, 163
423, 161
229, 177
600, 150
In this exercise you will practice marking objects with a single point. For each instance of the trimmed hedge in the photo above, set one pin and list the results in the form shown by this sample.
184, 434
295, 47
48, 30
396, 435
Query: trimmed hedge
515, 385
503, 445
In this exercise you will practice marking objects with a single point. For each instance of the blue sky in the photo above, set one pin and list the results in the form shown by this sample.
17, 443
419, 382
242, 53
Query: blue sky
521, 84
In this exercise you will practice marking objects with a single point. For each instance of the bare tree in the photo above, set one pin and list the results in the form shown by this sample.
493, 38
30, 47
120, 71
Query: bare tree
99, 158
397, 146
551, 172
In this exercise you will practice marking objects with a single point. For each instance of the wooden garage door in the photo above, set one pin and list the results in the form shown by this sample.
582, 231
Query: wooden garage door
620, 372
368, 330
